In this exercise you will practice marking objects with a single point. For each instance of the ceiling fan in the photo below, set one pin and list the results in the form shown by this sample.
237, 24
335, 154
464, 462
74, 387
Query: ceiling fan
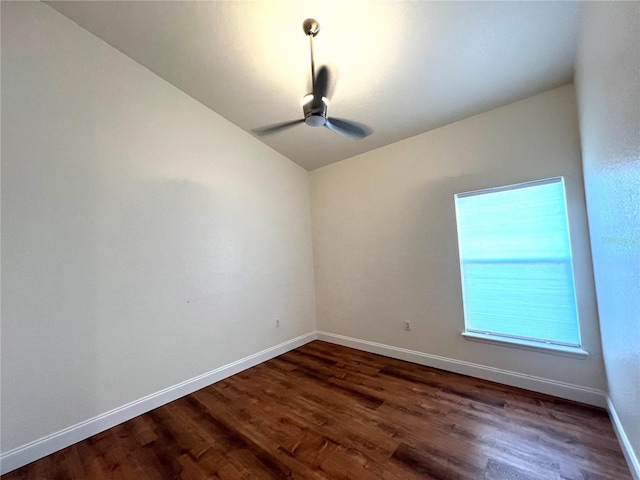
314, 104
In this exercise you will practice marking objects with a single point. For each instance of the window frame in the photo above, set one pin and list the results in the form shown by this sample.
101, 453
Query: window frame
540, 345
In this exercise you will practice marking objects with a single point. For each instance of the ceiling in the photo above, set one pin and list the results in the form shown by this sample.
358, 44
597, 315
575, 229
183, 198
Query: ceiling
399, 67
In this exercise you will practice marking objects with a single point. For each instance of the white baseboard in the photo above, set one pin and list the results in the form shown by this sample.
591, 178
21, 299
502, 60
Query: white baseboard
42, 447
625, 444
590, 396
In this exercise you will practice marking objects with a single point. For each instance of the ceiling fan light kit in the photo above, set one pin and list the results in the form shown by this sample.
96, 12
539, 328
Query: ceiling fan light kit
315, 115
315, 104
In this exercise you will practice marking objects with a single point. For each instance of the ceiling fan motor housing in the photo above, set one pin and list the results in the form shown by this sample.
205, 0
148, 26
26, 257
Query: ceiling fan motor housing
315, 115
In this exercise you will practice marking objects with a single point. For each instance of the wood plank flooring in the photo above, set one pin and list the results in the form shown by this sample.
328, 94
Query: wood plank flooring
328, 412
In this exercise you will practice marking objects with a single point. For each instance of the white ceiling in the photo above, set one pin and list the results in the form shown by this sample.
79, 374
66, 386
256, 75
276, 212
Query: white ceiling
399, 67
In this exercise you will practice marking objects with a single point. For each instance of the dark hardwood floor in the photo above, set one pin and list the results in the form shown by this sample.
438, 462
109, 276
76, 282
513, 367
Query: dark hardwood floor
328, 412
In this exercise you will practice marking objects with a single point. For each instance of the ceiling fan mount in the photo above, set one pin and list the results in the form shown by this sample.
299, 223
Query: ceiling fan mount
311, 27
315, 103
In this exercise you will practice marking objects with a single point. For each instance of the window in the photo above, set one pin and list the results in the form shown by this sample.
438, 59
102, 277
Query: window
515, 258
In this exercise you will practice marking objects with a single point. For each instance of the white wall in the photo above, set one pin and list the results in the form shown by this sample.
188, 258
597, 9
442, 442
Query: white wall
608, 86
145, 239
385, 243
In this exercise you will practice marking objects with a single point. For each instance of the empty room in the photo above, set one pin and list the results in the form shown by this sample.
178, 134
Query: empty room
320, 240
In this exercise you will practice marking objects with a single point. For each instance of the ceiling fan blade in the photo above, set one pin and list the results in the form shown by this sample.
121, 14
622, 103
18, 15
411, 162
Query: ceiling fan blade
320, 86
276, 128
350, 129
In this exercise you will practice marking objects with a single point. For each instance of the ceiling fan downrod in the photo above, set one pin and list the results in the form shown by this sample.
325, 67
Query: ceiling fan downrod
314, 104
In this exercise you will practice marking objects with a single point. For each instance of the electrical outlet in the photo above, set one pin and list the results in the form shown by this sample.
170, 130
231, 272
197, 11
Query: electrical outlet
277, 322
407, 326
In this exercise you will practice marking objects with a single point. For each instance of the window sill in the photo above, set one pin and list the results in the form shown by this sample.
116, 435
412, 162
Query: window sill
575, 352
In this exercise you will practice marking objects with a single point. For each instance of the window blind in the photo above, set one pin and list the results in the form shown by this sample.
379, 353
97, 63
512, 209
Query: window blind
515, 257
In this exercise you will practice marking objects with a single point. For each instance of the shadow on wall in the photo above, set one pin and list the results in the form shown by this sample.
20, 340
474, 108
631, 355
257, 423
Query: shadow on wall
172, 264
434, 254
393, 257
49, 290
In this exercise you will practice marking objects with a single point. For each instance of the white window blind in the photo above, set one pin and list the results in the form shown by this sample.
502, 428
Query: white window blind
515, 257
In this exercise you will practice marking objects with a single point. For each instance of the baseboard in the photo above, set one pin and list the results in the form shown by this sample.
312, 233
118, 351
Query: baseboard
625, 444
42, 447
590, 396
